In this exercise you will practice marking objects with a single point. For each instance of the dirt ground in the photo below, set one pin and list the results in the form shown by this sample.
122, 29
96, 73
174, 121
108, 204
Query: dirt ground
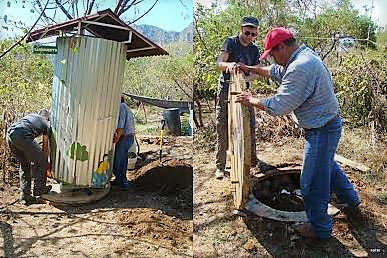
146, 221
218, 232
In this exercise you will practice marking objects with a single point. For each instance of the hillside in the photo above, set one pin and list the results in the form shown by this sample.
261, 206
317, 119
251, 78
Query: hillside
163, 37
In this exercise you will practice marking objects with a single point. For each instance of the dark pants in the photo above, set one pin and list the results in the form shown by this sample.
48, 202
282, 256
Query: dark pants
121, 158
222, 127
26, 150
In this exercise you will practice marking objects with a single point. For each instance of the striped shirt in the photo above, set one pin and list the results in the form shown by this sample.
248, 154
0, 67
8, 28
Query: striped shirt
305, 88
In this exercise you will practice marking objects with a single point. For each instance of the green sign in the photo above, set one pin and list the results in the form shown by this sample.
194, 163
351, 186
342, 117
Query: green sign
47, 50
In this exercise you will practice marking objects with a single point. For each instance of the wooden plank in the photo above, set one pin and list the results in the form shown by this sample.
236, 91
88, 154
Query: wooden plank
351, 163
239, 147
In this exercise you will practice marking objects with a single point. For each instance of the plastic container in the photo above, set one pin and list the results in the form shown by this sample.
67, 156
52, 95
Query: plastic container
133, 147
191, 122
132, 159
172, 119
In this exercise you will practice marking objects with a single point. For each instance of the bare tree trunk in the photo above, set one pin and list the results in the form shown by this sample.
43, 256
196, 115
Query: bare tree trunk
199, 105
195, 120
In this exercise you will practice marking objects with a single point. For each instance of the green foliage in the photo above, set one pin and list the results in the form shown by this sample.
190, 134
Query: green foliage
361, 87
336, 19
162, 76
212, 25
151, 130
184, 129
381, 39
25, 80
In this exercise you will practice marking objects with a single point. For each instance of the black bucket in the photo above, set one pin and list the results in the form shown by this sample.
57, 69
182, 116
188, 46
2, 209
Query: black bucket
172, 120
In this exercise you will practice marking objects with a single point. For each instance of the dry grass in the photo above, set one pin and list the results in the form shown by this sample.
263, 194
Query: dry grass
355, 145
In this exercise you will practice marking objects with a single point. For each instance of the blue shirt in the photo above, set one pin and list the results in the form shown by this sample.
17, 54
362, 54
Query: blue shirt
126, 119
32, 125
306, 88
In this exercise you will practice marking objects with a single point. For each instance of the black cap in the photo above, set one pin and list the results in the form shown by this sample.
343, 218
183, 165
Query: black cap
249, 21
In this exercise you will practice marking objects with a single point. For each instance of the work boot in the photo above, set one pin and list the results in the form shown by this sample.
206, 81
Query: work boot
219, 173
304, 230
42, 190
335, 201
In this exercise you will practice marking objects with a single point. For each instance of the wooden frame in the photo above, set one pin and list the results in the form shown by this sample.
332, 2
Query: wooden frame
239, 146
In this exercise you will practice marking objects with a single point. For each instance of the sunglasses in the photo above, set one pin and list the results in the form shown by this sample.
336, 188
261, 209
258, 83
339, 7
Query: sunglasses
253, 34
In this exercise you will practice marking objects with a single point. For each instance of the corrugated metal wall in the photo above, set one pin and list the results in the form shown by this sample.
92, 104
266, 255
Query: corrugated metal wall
85, 102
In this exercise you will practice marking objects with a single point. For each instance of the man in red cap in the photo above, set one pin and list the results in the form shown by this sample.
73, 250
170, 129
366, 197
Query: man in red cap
235, 49
306, 89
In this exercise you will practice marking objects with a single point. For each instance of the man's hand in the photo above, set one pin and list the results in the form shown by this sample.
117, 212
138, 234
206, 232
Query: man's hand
117, 135
247, 99
49, 170
230, 67
242, 67
115, 138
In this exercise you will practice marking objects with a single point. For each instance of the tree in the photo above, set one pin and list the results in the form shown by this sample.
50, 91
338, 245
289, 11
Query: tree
25, 81
317, 23
213, 25
74, 8
162, 77
381, 37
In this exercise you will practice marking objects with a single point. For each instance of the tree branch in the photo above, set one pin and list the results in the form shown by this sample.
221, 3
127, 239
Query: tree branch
87, 7
330, 50
41, 10
63, 9
181, 87
125, 8
90, 7
118, 6
145, 12
119, 12
29, 31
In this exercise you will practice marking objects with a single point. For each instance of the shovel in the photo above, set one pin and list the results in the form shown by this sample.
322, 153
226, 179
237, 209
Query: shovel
162, 137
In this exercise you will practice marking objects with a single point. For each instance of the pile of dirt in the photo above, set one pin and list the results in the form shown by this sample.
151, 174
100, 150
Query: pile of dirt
157, 227
167, 176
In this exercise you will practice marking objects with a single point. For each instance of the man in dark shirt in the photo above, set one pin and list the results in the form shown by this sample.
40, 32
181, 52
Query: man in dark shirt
234, 50
20, 138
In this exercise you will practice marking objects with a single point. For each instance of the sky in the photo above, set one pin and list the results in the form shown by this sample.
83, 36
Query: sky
379, 12
169, 15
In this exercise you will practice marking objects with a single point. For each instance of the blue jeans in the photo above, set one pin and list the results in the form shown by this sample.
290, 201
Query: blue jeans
321, 174
120, 164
